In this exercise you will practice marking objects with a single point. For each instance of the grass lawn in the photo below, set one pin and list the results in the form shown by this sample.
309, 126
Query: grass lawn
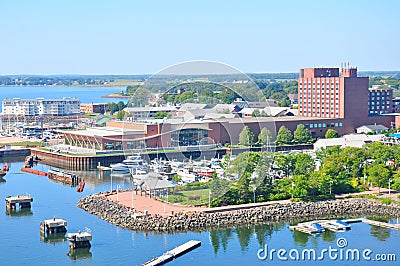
25, 143
203, 193
183, 197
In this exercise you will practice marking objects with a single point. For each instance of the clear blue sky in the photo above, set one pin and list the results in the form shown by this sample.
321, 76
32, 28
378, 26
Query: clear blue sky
137, 37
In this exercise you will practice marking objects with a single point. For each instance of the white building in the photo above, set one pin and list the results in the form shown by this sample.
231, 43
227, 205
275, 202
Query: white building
377, 129
41, 106
351, 140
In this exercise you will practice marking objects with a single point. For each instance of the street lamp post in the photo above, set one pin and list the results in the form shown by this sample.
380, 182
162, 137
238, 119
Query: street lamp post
390, 181
118, 187
330, 187
293, 185
254, 194
209, 199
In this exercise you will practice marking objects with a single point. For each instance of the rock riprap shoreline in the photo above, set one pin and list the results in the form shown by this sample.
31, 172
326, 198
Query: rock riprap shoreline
119, 215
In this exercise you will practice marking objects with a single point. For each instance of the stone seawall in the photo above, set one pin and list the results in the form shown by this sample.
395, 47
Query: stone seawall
119, 215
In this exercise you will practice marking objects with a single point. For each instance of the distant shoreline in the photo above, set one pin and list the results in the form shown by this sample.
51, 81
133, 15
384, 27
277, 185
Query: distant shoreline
116, 96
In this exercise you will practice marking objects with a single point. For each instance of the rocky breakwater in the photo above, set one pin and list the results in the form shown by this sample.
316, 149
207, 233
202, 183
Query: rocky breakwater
119, 215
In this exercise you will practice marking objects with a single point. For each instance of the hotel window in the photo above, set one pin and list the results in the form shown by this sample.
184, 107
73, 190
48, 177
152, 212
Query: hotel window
336, 124
340, 124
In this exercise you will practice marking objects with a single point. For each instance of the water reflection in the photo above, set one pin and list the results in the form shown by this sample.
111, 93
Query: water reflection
221, 237
380, 233
80, 254
53, 238
328, 236
19, 212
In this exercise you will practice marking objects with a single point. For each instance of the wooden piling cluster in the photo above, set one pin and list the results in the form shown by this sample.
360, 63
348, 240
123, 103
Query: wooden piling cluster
24, 202
79, 240
64, 177
53, 226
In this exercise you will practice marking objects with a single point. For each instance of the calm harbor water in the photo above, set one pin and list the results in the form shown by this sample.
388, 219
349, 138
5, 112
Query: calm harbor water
85, 94
21, 243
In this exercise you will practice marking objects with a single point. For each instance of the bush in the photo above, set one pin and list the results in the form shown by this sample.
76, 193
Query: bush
176, 198
279, 196
194, 197
386, 201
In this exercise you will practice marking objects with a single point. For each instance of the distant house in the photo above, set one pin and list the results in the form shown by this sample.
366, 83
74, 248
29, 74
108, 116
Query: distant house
293, 98
262, 104
192, 106
140, 113
352, 140
226, 108
375, 129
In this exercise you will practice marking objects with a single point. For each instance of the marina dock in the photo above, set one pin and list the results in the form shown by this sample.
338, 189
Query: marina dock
23, 201
173, 253
327, 224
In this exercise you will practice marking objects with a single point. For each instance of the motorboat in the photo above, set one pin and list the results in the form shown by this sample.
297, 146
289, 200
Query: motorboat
139, 173
132, 162
119, 167
313, 228
185, 175
338, 225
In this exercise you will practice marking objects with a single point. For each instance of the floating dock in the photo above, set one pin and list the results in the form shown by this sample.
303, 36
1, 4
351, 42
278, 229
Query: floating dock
328, 224
64, 177
381, 224
33, 171
304, 228
53, 226
23, 201
79, 240
173, 253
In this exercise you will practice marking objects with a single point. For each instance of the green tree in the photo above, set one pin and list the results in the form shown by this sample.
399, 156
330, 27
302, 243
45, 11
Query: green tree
303, 164
284, 102
121, 105
265, 137
302, 134
112, 107
256, 113
160, 115
246, 137
186, 96
378, 174
139, 98
331, 133
121, 115
284, 136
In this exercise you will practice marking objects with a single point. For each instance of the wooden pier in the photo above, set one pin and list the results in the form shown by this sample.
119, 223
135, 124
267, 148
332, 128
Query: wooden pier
64, 177
24, 202
304, 229
173, 253
79, 240
381, 224
53, 226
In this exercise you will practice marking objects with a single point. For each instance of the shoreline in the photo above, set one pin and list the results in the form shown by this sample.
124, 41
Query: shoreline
125, 217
